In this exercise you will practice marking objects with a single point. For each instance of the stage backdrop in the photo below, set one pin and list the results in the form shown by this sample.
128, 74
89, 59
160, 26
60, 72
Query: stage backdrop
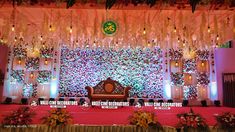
152, 72
139, 68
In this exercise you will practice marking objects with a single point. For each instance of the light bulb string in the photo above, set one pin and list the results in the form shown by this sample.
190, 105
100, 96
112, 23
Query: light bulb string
71, 22
208, 20
71, 18
144, 20
51, 16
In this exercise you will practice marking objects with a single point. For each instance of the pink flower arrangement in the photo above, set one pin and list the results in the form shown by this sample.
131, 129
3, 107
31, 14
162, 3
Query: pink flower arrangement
46, 52
191, 121
22, 116
175, 54
226, 121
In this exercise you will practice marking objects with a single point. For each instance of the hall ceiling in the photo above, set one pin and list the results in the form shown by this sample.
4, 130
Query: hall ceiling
33, 21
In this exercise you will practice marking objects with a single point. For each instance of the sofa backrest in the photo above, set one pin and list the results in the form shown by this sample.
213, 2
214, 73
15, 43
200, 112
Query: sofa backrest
108, 86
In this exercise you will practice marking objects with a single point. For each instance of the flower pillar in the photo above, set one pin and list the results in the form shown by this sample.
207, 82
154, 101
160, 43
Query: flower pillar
167, 82
55, 72
213, 92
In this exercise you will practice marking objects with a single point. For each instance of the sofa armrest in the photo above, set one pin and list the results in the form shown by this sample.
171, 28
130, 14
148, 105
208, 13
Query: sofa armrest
89, 90
126, 91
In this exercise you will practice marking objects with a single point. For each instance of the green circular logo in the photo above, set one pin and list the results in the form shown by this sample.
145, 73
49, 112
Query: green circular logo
109, 28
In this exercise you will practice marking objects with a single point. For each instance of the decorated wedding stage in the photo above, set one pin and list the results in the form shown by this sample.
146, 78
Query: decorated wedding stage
96, 119
134, 52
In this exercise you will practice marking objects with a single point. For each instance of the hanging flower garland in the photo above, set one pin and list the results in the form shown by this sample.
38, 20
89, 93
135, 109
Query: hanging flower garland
57, 117
189, 66
203, 79
177, 79
21, 116
191, 122
175, 54
145, 119
203, 54
190, 92
18, 75
19, 51
29, 90
44, 77
32, 63
46, 52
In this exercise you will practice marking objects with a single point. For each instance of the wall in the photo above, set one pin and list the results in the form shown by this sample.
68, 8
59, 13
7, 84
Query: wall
3, 63
225, 63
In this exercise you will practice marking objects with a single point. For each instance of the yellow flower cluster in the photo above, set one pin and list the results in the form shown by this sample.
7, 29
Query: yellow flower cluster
57, 117
143, 119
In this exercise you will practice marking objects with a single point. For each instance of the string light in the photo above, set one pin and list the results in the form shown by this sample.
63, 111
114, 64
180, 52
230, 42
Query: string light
43, 45
175, 29
76, 42
116, 44
94, 44
144, 32
71, 29
216, 45
50, 28
15, 39
149, 44
41, 38
209, 29
190, 77
202, 64
46, 62
184, 43
176, 64
1, 40
217, 37
71, 22
19, 61
13, 19
13, 28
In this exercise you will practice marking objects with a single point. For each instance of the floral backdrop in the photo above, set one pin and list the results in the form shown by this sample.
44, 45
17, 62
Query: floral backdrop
190, 92
190, 66
31, 75
139, 68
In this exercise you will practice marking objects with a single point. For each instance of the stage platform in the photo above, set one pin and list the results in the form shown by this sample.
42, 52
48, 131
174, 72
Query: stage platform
99, 116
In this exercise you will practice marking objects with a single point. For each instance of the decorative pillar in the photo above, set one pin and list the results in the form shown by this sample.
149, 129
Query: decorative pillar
213, 92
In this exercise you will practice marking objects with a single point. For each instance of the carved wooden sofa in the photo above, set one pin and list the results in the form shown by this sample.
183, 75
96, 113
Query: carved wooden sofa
108, 90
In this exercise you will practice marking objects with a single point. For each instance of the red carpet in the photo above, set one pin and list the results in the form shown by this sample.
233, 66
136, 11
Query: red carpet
98, 116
